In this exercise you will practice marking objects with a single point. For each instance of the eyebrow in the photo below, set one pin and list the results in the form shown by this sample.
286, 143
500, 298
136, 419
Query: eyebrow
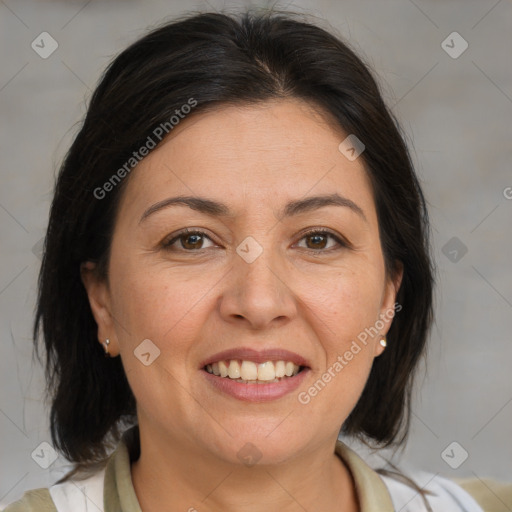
218, 209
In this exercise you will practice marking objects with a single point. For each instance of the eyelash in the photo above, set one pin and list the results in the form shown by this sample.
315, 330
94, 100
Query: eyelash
167, 245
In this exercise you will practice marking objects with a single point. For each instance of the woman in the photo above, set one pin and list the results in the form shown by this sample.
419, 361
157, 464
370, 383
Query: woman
237, 227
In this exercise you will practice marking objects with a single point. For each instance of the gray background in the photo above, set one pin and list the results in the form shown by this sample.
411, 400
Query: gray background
457, 115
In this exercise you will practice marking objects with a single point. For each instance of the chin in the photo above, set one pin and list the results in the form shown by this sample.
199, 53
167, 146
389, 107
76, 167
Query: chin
259, 444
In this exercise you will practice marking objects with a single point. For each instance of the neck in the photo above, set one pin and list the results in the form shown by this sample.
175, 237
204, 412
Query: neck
181, 477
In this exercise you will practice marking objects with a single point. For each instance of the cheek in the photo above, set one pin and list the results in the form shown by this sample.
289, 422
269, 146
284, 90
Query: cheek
169, 307
345, 301
344, 307
159, 302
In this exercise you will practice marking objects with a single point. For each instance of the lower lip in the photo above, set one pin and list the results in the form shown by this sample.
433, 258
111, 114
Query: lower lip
257, 392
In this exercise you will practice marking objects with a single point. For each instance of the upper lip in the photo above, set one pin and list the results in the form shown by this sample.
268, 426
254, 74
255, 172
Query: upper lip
256, 356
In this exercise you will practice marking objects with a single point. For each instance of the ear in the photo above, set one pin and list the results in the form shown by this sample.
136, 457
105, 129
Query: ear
100, 302
388, 309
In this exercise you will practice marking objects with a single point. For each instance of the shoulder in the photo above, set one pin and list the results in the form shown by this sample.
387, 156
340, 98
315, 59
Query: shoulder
490, 494
439, 494
105, 486
37, 500
408, 489
458, 495
76, 495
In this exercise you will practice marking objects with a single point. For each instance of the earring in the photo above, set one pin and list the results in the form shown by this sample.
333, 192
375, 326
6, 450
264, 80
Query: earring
383, 342
106, 343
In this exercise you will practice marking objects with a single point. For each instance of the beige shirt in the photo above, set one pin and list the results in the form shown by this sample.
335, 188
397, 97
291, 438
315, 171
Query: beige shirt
114, 485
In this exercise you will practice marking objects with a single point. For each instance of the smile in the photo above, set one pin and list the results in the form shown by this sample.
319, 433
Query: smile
250, 372
255, 375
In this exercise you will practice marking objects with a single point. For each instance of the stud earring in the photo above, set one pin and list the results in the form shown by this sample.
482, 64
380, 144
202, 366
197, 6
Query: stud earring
383, 342
106, 343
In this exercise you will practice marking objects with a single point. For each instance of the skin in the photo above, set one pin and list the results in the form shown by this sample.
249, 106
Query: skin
310, 296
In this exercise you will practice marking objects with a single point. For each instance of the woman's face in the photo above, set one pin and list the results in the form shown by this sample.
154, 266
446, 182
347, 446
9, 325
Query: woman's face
251, 286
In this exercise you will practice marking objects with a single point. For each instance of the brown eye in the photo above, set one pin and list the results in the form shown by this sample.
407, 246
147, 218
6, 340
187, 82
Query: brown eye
316, 241
188, 241
191, 241
319, 241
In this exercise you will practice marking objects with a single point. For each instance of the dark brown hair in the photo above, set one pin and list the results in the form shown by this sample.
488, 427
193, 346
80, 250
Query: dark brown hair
219, 59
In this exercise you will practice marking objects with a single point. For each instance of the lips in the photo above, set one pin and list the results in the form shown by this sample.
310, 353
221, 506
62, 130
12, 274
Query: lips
255, 376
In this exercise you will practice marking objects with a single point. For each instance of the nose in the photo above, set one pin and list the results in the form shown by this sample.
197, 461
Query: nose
258, 294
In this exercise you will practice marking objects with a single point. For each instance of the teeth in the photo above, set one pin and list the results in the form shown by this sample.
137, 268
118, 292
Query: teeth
223, 368
266, 371
234, 370
280, 369
249, 370
252, 373
288, 369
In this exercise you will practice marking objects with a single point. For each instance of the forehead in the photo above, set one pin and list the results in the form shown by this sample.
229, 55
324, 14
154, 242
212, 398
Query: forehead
259, 152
